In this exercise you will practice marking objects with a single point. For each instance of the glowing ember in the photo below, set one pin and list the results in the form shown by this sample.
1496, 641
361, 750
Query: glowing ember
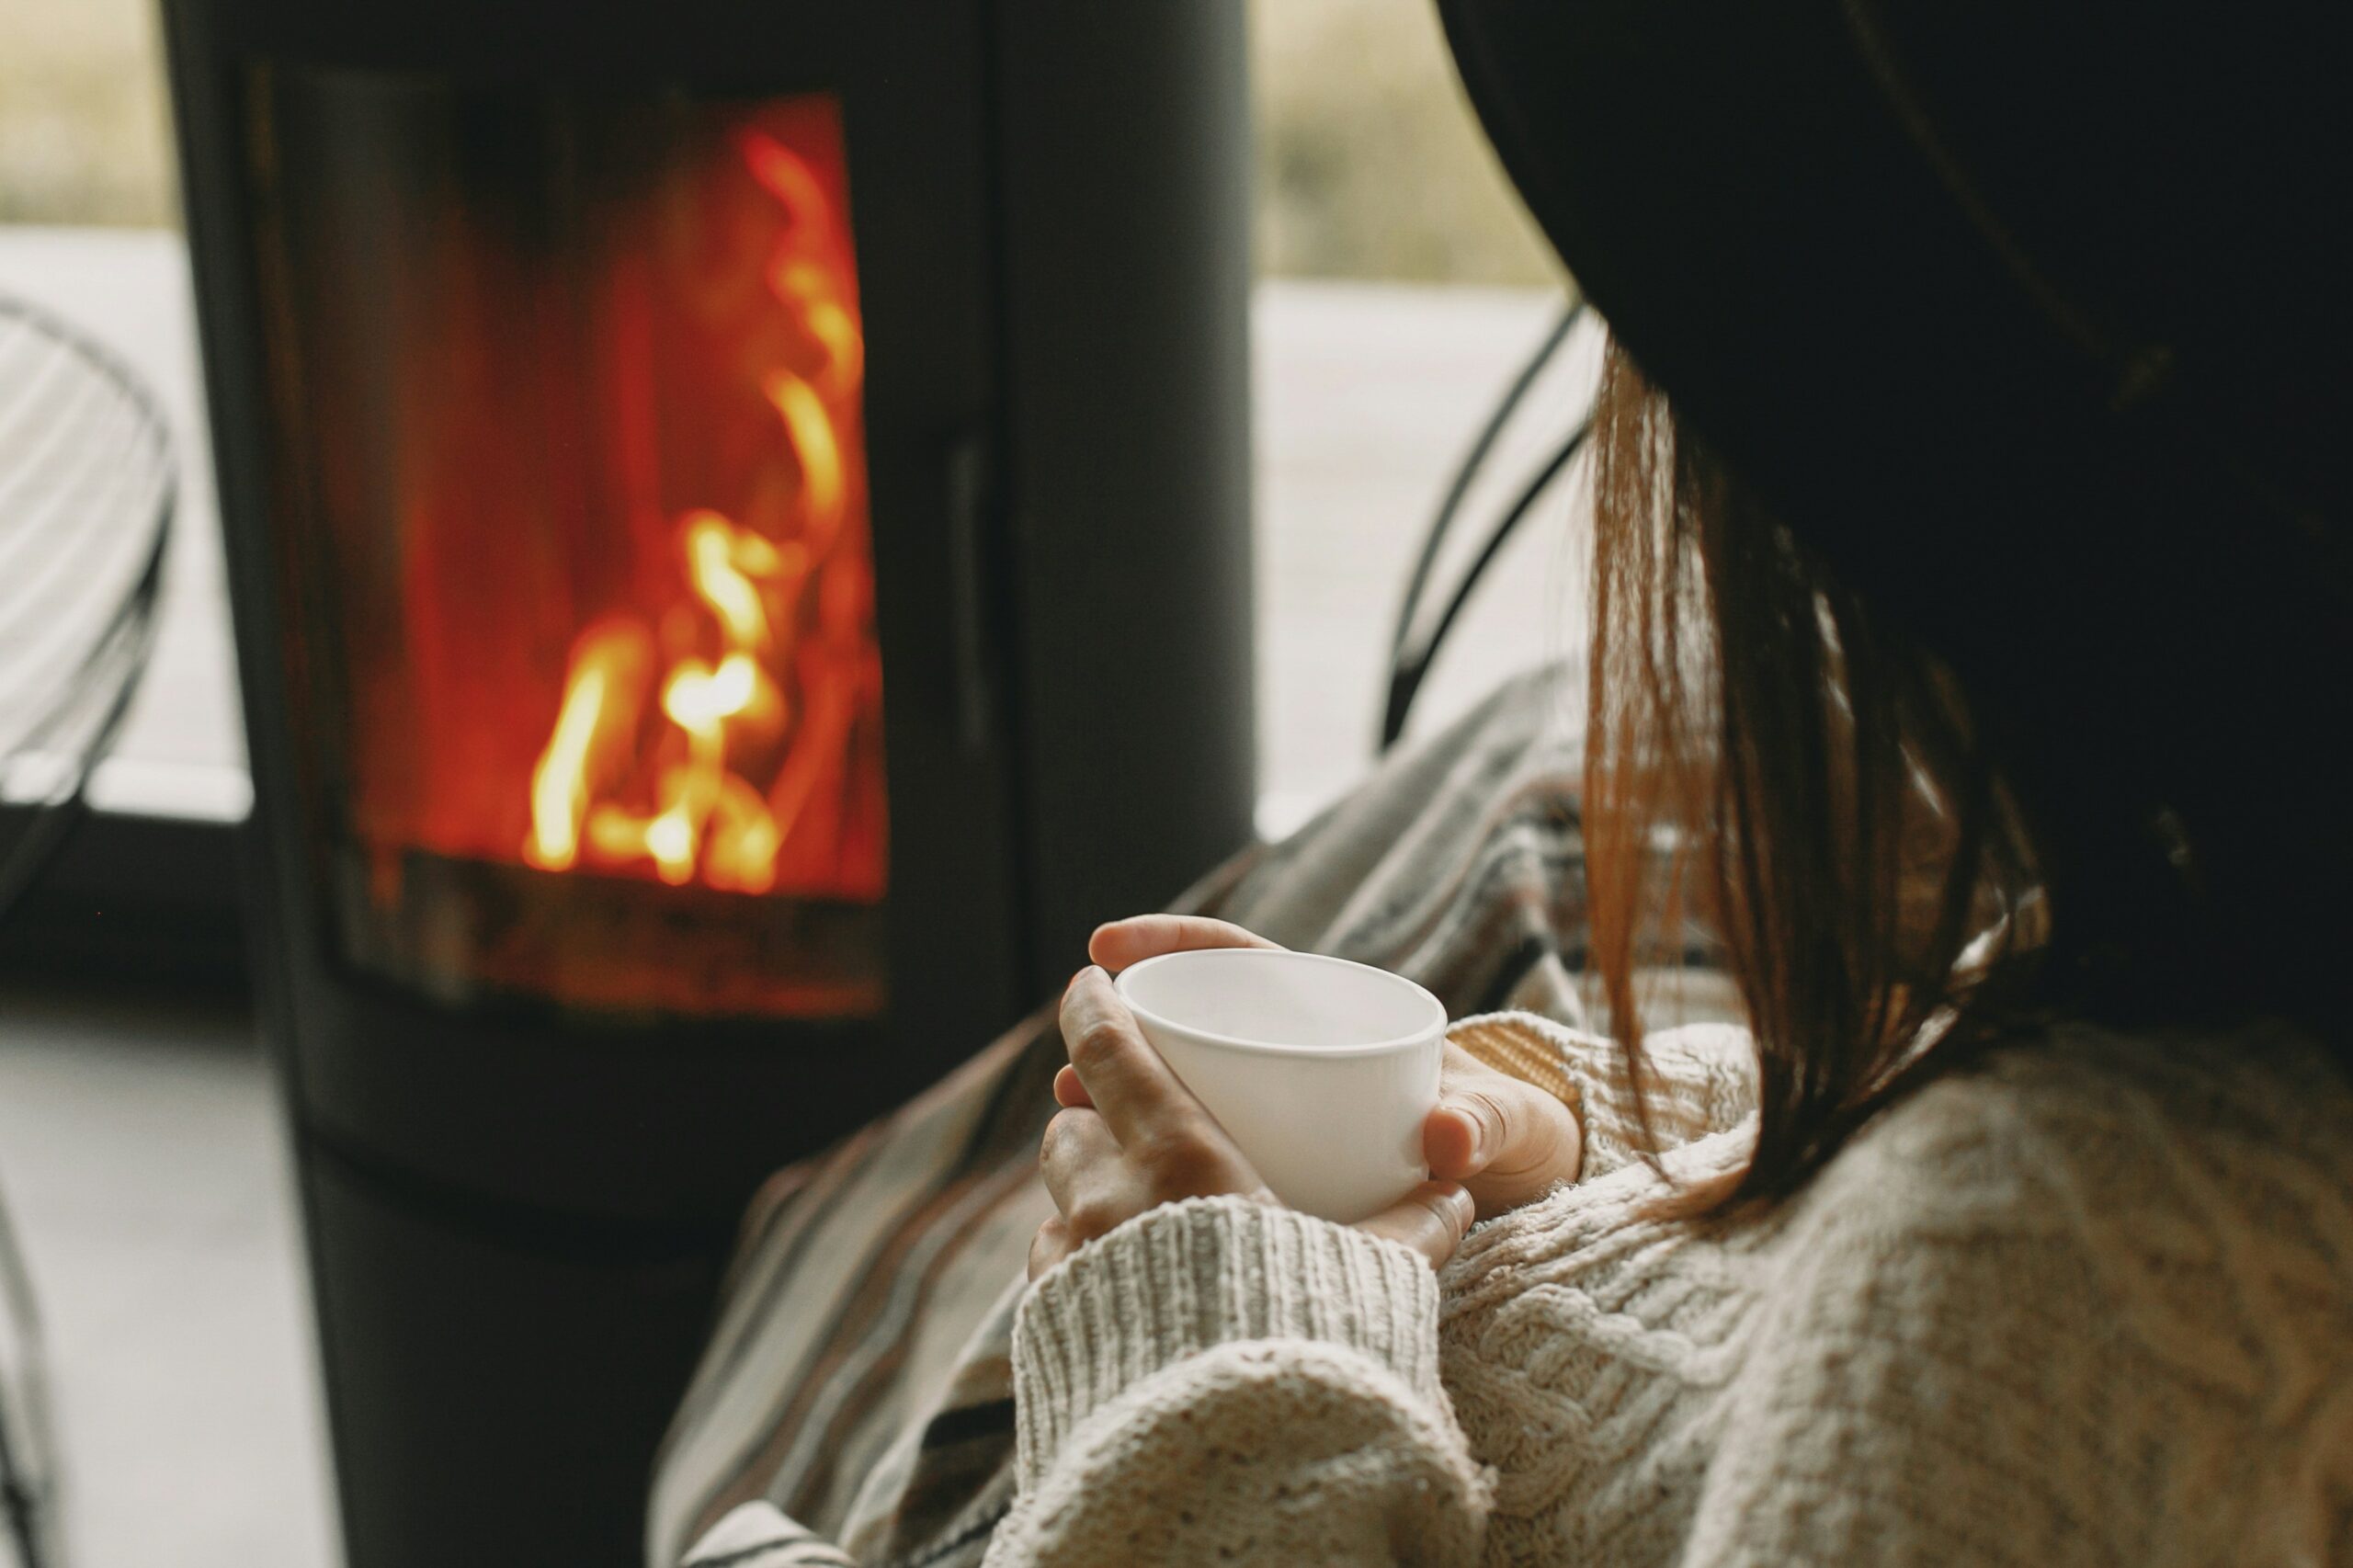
714, 745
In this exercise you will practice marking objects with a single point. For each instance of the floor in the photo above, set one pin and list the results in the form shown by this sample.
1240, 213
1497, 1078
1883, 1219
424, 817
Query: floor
139, 1144
141, 1155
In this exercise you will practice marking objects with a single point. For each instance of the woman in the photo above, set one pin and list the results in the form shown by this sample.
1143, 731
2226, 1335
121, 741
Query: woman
1971, 589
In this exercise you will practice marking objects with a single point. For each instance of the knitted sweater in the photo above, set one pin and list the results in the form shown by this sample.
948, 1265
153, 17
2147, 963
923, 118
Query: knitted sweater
2090, 1302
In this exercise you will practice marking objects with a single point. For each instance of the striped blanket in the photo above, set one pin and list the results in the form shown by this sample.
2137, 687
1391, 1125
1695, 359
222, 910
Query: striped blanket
856, 1402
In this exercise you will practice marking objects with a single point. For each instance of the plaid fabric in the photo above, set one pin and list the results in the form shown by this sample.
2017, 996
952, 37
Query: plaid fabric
856, 1402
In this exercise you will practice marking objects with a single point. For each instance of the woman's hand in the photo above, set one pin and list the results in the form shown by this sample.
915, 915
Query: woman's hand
1134, 1140
1131, 1138
1506, 1140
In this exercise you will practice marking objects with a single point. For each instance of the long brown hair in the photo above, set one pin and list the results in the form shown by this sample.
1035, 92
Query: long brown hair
1764, 747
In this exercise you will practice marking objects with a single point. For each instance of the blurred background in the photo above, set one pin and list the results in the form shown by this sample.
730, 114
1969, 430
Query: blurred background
1399, 288
1403, 281
1371, 172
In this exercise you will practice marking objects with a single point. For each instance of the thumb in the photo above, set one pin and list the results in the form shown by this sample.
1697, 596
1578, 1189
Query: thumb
1466, 1133
1432, 1220
1504, 1139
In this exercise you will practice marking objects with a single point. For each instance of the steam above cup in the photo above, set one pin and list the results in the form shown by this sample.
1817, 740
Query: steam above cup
1322, 1071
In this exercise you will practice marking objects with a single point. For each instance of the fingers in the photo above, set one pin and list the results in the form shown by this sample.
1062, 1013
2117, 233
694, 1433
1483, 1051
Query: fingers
1076, 1143
1432, 1220
1133, 940
1123, 1076
1142, 937
1129, 1136
1095, 1191
1050, 1246
1094, 1188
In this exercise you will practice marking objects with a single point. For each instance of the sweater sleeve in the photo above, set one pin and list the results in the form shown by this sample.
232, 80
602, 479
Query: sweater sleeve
1220, 1381
1700, 1079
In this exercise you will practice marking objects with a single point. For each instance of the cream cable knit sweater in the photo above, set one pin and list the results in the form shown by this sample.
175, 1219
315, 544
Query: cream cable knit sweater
2090, 1303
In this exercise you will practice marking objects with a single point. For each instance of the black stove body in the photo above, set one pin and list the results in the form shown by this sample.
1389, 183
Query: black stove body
737, 519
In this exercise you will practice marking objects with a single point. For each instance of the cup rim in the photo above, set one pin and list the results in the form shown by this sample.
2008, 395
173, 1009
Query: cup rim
1435, 1029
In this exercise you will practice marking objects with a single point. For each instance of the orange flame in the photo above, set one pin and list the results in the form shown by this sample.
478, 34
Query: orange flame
688, 744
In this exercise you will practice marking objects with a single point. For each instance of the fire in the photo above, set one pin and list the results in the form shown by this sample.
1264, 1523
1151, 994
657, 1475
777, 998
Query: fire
695, 746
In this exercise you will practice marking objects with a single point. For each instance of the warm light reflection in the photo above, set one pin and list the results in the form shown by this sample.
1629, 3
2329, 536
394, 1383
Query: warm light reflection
661, 773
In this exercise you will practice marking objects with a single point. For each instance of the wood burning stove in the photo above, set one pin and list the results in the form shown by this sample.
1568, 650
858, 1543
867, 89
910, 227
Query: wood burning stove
737, 520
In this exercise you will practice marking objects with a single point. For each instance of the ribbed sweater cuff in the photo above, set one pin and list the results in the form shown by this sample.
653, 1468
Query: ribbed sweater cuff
1210, 1271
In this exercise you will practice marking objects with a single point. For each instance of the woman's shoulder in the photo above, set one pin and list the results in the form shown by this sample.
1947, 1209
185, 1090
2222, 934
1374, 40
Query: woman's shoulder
2155, 1229
2169, 1212
2215, 1117
2144, 1180
2161, 1147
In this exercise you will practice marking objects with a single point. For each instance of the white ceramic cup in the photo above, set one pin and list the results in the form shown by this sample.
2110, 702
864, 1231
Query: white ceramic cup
1322, 1070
